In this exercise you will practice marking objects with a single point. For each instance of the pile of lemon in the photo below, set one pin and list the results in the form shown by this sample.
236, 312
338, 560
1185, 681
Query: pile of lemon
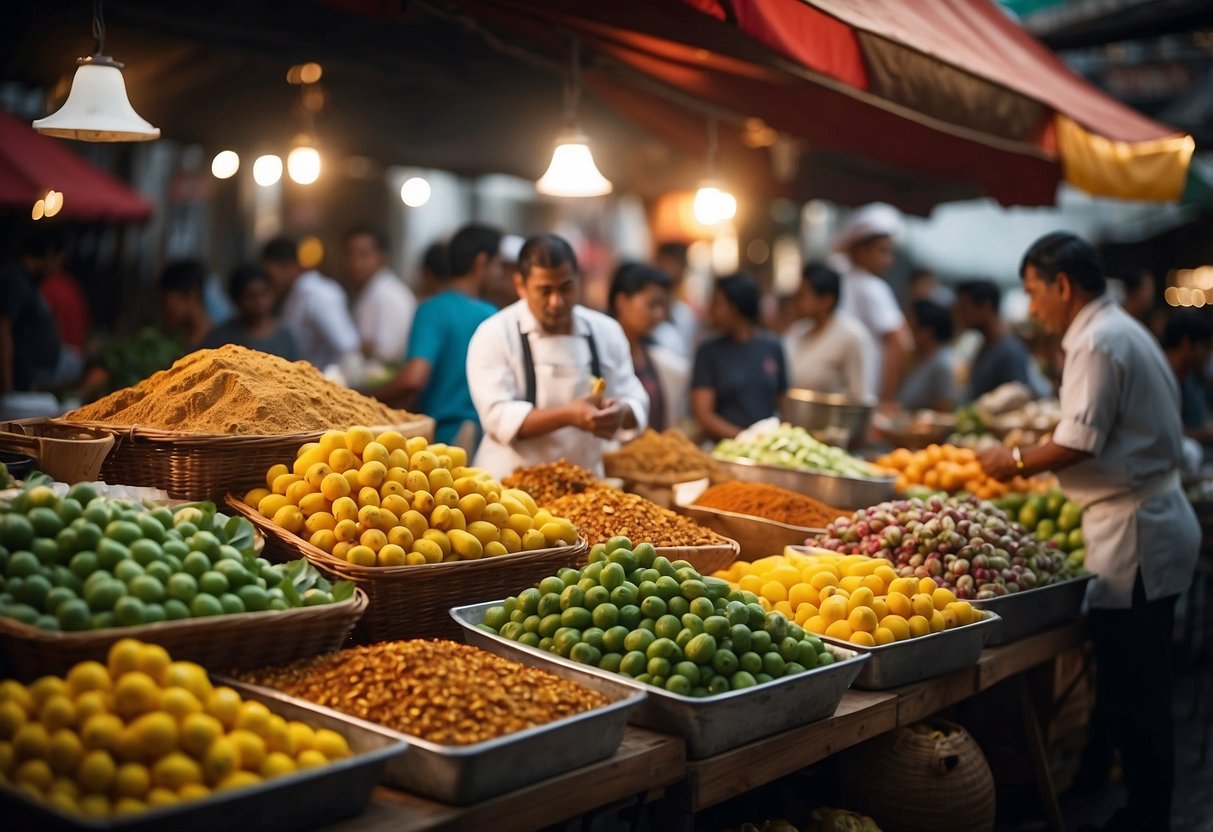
852, 598
390, 501
143, 731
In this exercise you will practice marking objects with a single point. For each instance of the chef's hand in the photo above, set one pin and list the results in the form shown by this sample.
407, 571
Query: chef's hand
998, 463
608, 420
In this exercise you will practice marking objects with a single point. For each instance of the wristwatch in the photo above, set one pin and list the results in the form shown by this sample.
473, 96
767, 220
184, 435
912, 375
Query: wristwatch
1018, 457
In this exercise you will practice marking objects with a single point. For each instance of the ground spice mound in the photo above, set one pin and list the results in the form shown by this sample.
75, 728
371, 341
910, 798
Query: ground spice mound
601, 513
238, 391
438, 690
651, 453
771, 502
550, 480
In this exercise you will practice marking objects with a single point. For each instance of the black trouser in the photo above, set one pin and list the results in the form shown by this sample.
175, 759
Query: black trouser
1133, 699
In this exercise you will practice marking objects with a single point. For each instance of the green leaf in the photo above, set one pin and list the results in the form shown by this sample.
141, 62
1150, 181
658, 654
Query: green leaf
35, 479
342, 591
240, 534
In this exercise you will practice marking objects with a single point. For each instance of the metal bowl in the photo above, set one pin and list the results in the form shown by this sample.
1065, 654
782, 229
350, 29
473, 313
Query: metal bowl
832, 418
839, 492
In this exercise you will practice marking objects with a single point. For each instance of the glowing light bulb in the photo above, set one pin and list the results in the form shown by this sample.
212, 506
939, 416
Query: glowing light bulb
267, 170
415, 192
303, 164
225, 164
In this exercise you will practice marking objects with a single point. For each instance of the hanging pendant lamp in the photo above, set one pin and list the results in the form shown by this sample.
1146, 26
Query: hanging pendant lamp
572, 172
713, 204
97, 109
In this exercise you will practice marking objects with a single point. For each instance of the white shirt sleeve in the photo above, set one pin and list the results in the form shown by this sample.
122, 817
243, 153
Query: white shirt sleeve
1090, 390
883, 313
384, 316
331, 321
622, 384
493, 381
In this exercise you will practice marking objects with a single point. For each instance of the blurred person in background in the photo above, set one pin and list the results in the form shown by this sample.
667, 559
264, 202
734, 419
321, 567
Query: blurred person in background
255, 326
434, 378
182, 310
435, 268
863, 251
1003, 355
740, 376
680, 329
29, 341
63, 294
828, 351
638, 300
1186, 342
1139, 294
931, 384
924, 285
499, 289
383, 305
549, 377
313, 308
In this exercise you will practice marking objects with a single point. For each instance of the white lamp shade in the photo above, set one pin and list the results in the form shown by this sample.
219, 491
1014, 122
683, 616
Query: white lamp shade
97, 110
572, 172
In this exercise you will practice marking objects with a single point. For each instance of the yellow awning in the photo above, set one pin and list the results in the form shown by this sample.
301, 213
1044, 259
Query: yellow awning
1156, 169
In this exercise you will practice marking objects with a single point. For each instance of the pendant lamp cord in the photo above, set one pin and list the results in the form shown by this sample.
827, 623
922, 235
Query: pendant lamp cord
572, 84
98, 28
712, 146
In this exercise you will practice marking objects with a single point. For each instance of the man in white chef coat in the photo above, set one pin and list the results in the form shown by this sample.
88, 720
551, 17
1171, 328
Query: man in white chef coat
532, 365
1117, 452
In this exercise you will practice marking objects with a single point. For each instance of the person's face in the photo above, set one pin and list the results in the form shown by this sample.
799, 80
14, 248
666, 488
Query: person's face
362, 258
968, 314
723, 314
874, 255
811, 304
674, 268
256, 301
492, 270
1048, 302
1142, 300
640, 313
280, 274
924, 338
550, 295
177, 309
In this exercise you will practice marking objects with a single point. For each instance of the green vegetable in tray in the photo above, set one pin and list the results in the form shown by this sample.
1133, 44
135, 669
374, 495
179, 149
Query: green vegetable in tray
789, 446
84, 562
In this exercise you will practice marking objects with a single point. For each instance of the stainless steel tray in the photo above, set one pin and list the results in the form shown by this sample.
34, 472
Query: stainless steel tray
840, 492
925, 657
1033, 610
463, 774
757, 536
710, 725
303, 800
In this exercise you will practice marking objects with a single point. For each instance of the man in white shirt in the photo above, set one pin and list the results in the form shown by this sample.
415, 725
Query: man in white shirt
313, 308
532, 365
863, 252
1117, 451
828, 351
679, 332
383, 305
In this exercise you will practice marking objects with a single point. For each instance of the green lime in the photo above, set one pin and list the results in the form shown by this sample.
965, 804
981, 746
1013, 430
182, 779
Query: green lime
647, 589
230, 553
213, 583
566, 640
606, 615
742, 679
147, 589
196, 564
680, 685
62, 576
494, 618
612, 576
111, 552
68, 544
571, 597
653, 607
46, 549
254, 597
549, 603
232, 604
577, 617
668, 626
634, 663
130, 612
237, 576
46, 521
528, 599
175, 548
81, 493
154, 613
626, 559
663, 648
659, 667
549, 624
151, 528
702, 607
127, 570
531, 623
630, 616
88, 535
205, 542
618, 542
591, 571
667, 587
22, 565
34, 591
689, 671
102, 620
684, 637
146, 551
315, 597
760, 641
645, 553
718, 685
205, 605
529, 639
825, 657
806, 655
693, 589
750, 662
639, 640
595, 596
621, 596
56, 596
693, 623
610, 662
725, 662
159, 570
678, 606
47, 622
73, 615
164, 516
773, 664
186, 529
182, 586
718, 626
583, 653
614, 639
175, 610
123, 531
104, 594
568, 577
789, 649
742, 638
593, 637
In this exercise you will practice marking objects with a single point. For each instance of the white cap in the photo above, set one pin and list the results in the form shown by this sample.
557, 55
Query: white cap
879, 219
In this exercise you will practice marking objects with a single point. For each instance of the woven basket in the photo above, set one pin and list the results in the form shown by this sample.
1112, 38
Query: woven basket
250, 639
911, 783
205, 466
705, 559
68, 454
413, 601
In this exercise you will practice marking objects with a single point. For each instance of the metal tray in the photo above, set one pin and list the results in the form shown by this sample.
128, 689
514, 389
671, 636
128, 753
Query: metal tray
925, 657
463, 774
1033, 610
303, 800
757, 536
709, 726
840, 492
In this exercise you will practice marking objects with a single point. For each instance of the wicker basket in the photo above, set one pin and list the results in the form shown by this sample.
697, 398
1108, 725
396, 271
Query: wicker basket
413, 601
250, 639
705, 559
206, 467
910, 782
68, 454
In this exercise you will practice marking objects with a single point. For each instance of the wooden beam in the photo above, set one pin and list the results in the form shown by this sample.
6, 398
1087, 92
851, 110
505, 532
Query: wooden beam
924, 698
999, 663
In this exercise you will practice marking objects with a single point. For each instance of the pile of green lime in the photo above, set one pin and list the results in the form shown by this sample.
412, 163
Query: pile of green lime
84, 562
633, 612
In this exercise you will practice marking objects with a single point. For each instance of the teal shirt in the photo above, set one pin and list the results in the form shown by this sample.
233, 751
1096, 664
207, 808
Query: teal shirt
441, 331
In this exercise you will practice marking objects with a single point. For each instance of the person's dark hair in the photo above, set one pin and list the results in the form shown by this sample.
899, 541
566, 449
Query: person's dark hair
183, 277
1060, 252
470, 242
437, 260
1187, 325
980, 292
240, 279
1134, 279
367, 230
545, 251
822, 280
934, 317
631, 278
742, 292
280, 250
674, 251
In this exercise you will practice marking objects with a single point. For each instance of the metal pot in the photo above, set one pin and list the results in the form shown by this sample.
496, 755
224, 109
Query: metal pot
832, 418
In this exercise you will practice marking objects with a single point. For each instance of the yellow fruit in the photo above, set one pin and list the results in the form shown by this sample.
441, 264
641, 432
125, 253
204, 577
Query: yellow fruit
559, 532
12, 717
376, 452
395, 488
851, 583
95, 806
499, 516
373, 539
398, 460
784, 609
834, 609
331, 744
887, 575
190, 676
963, 611
35, 775
774, 591
361, 555
238, 780
160, 796
862, 619
289, 518
296, 492
440, 539
320, 522
221, 759
533, 540
334, 486
391, 555
465, 545
251, 747
803, 613
787, 575
269, 506
123, 657
496, 548
840, 630
224, 704
331, 441
439, 479
400, 536
372, 474
883, 635
416, 443
345, 508
102, 732
357, 438
861, 596
368, 496
274, 473
155, 734
342, 460
58, 712
90, 703
904, 586
132, 780
31, 740
96, 772
875, 584
823, 579
751, 583
430, 551
193, 791
937, 621
942, 597
926, 585
254, 716
302, 736
198, 731
65, 751
283, 483
899, 604
129, 806
802, 593
862, 639
923, 605
66, 786
949, 619
315, 504
919, 626
346, 531
87, 676
316, 475
508, 540
310, 759
897, 625
276, 764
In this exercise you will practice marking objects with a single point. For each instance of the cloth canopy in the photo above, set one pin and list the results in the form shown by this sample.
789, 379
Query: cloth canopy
31, 164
